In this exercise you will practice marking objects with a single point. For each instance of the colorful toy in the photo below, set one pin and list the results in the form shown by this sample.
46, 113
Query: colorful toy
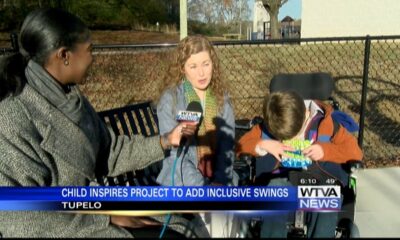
296, 159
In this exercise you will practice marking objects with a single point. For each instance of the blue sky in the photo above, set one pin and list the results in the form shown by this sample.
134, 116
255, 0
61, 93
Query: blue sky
292, 8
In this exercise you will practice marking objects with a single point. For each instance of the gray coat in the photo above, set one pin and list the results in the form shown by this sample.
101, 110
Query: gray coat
172, 101
40, 146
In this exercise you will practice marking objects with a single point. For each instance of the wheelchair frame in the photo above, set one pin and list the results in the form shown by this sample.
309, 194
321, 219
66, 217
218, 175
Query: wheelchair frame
323, 86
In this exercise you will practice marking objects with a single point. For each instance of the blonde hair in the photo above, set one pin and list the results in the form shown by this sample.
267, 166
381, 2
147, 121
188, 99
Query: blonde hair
193, 45
284, 114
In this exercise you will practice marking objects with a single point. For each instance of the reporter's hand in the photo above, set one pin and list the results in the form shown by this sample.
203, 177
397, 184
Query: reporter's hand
183, 129
274, 147
314, 152
133, 222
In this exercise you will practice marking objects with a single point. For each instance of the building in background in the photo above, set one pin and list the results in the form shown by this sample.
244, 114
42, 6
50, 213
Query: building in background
290, 28
342, 18
261, 20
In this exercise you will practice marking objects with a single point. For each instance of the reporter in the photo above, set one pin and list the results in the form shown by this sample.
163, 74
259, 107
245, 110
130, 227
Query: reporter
50, 135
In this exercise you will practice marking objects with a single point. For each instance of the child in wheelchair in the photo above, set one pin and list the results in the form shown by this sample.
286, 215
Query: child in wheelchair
299, 142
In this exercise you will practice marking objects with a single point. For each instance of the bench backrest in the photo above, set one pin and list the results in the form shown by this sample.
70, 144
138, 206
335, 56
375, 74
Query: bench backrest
131, 120
142, 119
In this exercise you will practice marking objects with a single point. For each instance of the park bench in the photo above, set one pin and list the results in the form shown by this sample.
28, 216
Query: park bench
141, 118
131, 120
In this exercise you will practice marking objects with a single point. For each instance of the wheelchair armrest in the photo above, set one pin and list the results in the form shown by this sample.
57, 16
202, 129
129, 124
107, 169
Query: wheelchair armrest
243, 124
239, 164
355, 164
335, 104
245, 160
248, 158
245, 167
247, 124
256, 120
352, 165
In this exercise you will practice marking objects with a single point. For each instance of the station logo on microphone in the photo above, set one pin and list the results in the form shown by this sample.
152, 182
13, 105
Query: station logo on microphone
188, 116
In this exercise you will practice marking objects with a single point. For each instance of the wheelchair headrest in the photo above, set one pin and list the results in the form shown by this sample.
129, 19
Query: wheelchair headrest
309, 85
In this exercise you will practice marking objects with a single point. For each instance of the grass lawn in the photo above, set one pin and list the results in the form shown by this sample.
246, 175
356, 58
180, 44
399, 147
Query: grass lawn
249, 69
125, 76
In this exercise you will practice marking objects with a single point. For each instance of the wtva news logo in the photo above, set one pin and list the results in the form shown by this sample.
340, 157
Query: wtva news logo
319, 198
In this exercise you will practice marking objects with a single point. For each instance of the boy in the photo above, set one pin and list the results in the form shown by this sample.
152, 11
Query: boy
287, 117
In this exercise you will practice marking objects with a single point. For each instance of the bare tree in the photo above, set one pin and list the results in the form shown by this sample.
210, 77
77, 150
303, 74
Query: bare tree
272, 7
218, 11
202, 10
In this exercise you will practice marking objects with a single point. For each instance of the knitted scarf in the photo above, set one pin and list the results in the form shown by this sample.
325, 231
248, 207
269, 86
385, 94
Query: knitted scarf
206, 137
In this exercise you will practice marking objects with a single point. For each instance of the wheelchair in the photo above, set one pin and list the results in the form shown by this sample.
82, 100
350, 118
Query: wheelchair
317, 86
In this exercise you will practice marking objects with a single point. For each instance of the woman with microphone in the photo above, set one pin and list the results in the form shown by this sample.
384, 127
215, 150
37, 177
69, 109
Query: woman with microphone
194, 78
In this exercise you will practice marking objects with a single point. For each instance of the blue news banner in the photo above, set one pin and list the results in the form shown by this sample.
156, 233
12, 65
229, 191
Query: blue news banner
208, 198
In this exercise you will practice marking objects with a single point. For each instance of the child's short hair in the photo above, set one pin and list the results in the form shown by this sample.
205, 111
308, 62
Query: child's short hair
284, 114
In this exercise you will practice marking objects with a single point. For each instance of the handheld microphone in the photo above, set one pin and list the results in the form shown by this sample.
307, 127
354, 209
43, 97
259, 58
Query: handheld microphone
191, 114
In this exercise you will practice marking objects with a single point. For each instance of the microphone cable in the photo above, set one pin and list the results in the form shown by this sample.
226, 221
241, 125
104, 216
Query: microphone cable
168, 216
193, 106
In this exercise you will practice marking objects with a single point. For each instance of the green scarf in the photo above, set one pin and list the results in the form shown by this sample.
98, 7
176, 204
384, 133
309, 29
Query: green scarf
206, 137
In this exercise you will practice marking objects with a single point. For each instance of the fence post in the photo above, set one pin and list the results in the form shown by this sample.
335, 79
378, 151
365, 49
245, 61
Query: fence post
183, 29
364, 89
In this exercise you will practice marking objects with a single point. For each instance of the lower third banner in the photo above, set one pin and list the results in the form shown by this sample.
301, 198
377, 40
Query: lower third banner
158, 198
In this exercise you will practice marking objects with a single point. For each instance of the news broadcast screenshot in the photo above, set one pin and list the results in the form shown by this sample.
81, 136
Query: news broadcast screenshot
199, 119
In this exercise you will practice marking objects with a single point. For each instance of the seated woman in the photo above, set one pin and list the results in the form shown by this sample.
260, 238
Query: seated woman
195, 76
50, 135
207, 158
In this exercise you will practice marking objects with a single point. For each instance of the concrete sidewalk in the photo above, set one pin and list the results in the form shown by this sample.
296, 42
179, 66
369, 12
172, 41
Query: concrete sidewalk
378, 202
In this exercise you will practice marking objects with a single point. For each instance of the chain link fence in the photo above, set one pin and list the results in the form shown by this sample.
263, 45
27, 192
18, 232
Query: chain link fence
365, 69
